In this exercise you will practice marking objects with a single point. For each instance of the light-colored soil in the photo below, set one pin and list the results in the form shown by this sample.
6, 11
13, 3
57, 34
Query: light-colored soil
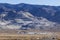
5, 36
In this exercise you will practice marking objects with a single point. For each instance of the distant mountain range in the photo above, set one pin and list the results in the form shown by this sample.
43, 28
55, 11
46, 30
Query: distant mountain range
27, 16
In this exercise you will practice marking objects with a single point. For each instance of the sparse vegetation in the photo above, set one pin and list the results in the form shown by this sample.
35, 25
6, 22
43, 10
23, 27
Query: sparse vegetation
27, 37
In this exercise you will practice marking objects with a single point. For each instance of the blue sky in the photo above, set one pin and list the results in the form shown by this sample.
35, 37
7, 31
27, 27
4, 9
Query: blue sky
39, 2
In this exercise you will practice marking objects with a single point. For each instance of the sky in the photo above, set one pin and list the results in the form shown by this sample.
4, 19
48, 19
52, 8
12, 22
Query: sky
38, 2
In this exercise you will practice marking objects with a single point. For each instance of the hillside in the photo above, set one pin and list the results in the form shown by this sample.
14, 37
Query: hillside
26, 17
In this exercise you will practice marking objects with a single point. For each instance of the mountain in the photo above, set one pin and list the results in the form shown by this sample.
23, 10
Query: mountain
27, 16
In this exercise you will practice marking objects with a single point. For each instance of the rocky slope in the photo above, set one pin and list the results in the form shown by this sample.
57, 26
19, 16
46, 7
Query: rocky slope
26, 16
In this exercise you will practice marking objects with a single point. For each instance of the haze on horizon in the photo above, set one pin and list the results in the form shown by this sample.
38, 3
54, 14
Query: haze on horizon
38, 2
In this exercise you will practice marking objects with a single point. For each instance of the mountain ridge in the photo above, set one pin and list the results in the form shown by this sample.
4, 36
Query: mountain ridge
27, 16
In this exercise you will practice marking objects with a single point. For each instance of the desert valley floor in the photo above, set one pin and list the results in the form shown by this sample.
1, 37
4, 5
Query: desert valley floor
30, 36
